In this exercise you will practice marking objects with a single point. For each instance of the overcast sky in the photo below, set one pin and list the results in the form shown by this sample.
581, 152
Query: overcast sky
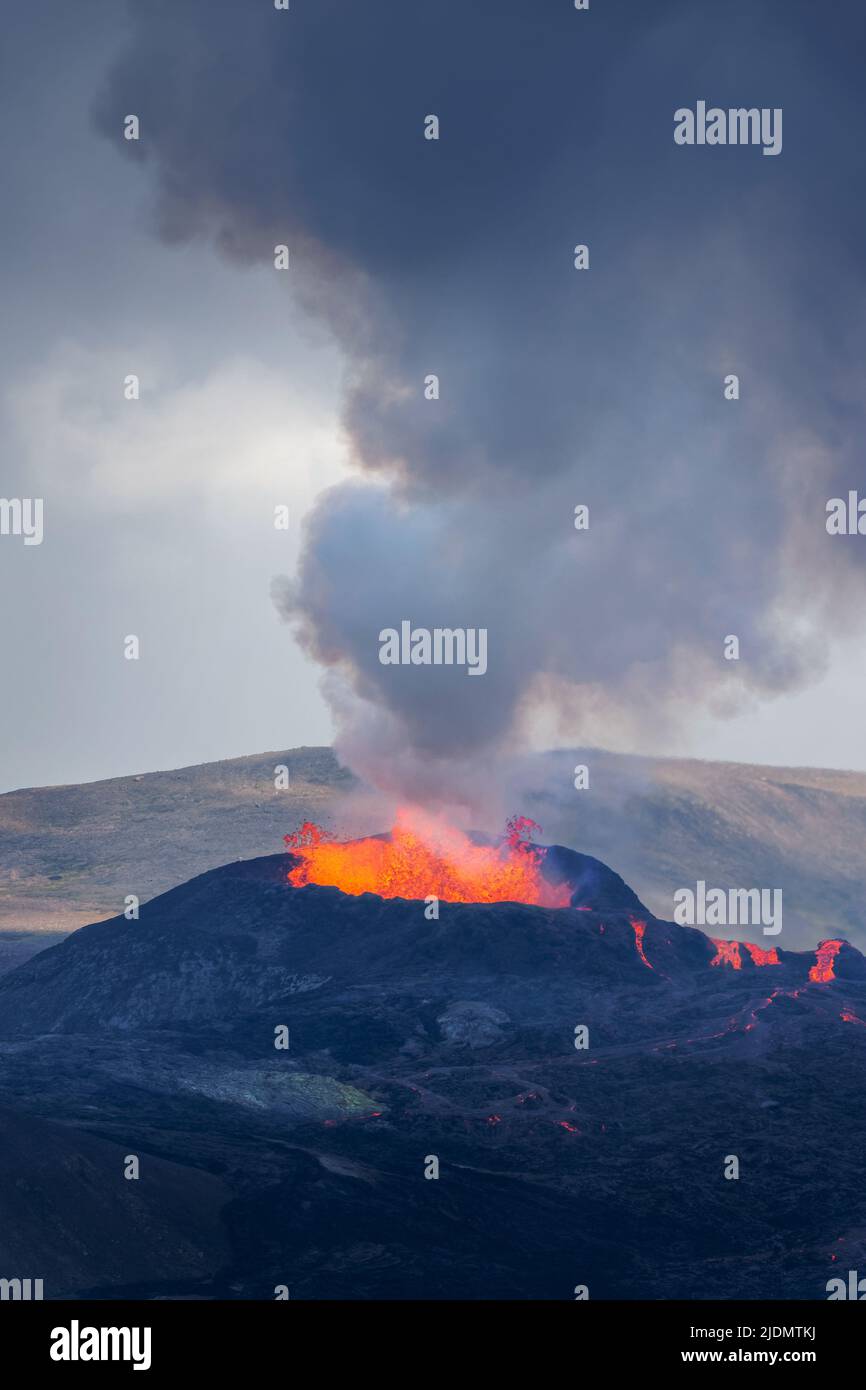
159, 512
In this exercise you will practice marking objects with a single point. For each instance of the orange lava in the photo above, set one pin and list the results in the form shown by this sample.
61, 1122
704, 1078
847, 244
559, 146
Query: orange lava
639, 929
762, 957
822, 971
727, 953
424, 857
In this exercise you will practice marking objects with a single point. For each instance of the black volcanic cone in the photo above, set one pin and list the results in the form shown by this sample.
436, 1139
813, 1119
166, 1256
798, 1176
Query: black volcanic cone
580, 1074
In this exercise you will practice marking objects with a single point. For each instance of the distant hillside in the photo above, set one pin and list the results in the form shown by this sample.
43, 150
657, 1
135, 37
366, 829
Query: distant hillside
665, 823
69, 855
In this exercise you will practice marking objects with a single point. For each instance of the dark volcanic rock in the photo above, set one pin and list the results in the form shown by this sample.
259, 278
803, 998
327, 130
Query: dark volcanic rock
594, 885
68, 1215
565, 1156
239, 940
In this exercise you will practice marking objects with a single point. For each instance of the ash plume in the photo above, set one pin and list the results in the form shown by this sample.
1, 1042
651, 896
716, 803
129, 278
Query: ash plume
558, 387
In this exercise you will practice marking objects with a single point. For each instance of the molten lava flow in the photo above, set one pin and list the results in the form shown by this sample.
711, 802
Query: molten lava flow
639, 929
822, 971
423, 857
727, 953
762, 957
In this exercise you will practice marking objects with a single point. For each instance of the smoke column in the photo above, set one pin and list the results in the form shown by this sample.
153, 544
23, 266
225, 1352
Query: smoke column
559, 387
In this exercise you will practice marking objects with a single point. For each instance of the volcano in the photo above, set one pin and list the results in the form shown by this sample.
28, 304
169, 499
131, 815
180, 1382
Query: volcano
580, 1073
424, 857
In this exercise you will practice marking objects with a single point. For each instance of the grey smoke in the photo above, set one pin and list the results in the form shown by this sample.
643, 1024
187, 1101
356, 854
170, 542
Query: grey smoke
558, 387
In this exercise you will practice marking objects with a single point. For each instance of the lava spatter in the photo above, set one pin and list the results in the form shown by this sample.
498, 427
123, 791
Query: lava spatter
639, 930
423, 857
762, 957
727, 953
823, 971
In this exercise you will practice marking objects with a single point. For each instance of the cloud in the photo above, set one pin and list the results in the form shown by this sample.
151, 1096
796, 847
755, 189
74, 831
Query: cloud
557, 386
234, 433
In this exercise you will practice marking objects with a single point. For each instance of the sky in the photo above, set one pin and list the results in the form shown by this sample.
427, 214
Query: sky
305, 388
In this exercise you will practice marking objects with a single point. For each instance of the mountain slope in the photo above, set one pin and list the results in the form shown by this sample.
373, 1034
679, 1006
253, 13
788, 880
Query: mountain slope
70, 855
564, 1157
69, 1216
239, 940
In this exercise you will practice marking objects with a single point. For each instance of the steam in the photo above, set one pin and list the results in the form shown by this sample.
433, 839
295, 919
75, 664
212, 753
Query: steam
557, 387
